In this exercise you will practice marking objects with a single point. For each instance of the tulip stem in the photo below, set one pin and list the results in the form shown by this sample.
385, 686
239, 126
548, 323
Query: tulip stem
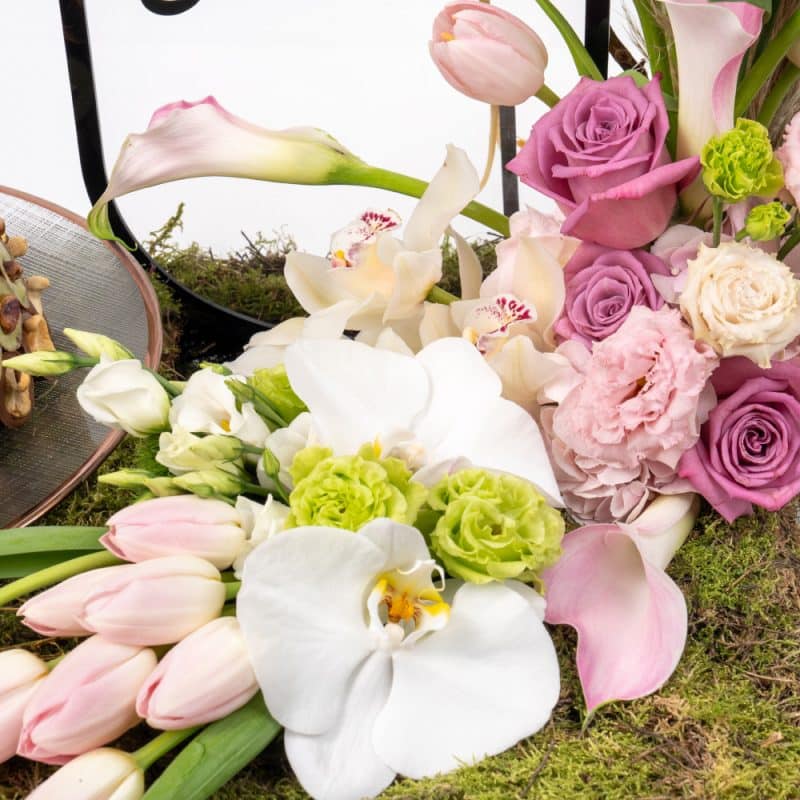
548, 96
232, 589
55, 574
716, 205
759, 73
404, 184
439, 295
786, 80
148, 754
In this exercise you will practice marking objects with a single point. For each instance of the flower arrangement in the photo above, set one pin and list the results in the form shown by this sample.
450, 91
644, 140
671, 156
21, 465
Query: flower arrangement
339, 533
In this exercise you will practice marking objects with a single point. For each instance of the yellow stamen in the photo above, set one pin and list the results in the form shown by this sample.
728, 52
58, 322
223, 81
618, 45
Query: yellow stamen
225, 424
446, 37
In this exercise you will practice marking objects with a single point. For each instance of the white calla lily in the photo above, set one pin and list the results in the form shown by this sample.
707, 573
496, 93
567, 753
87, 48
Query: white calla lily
440, 405
395, 649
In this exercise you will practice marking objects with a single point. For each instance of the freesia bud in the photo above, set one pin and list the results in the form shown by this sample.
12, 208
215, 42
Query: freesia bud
127, 478
487, 53
97, 345
210, 483
203, 678
46, 363
182, 525
20, 673
181, 451
104, 774
88, 699
154, 602
122, 394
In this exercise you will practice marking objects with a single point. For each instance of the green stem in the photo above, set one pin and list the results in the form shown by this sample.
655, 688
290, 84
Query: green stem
148, 754
439, 295
740, 235
414, 187
56, 573
167, 385
786, 80
766, 63
717, 209
580, 55
789, 244
548, 96
232, 589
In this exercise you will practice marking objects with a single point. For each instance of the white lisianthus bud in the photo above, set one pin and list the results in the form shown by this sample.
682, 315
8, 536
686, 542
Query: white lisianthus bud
181, 451
123, 394
97, 345
46, 363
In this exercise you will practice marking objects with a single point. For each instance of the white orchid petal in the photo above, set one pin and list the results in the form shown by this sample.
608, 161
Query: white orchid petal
282, 335
385, 339
401, 545
355, 392
472, 689
341, 764
415, 274
470, 271
452, 188
437, 323
305, 661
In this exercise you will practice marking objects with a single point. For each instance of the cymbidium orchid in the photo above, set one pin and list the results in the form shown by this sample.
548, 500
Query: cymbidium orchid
389, 277
415, 679
432, 410
611, 586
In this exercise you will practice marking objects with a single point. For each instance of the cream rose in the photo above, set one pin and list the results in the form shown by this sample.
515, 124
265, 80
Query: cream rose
742, 301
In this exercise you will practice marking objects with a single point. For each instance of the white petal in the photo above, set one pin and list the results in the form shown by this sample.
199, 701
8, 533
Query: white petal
437, 323
453, 186
341, 764
356, 393
470, 271
402, 546
282, 335
415, 274
301, 608
384, 339
475, 688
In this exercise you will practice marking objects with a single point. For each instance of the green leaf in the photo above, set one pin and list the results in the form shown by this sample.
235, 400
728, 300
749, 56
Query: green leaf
216, 754
16, 541
22, 564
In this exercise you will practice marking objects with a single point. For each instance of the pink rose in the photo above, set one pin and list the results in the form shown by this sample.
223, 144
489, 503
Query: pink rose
643, 395
601, 154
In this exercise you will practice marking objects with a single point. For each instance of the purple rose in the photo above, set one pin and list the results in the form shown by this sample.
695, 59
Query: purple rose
601, 154
602, 286
749, 449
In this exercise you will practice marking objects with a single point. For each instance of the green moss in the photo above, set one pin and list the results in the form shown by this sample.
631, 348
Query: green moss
725, 725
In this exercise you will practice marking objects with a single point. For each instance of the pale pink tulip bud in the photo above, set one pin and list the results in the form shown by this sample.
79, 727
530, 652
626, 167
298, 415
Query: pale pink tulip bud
104, 774
154, 602
87, 700
173, 526
55, 611
20, 674
487, 53
203, 678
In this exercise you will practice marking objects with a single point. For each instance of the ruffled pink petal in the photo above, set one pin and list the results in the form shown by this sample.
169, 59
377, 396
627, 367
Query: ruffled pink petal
630, 616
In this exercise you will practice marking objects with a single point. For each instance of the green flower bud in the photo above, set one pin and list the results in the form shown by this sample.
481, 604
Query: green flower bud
485, 527
96, 345
274, 384
127, 478
211, 483
180, 451
740, 163
162, 487
46, 363
767, 221
349, 491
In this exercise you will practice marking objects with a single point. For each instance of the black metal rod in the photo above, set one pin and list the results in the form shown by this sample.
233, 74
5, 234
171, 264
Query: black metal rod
508, 149
596, 32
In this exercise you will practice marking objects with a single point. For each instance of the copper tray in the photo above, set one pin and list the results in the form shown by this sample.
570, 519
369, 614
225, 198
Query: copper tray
94, 286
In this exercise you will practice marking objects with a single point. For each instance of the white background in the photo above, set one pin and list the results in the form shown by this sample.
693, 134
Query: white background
359, 69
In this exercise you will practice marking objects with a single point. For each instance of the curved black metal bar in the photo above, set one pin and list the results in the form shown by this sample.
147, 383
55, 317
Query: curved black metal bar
167, 8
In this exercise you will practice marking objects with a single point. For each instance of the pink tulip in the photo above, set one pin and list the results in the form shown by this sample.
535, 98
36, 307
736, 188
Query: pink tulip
487, 53
203, 678
88, 699
154, 602
20, 674
174, 526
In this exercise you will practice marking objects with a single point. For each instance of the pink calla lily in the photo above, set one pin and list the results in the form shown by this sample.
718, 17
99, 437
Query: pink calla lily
708, 66
631, 618
190, 140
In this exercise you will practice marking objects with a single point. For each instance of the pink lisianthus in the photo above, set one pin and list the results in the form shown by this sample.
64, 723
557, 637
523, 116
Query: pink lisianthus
601, 154
643, 395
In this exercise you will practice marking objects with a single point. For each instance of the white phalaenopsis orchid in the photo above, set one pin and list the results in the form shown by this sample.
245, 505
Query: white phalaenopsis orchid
387, 276
434, 409
207, 405
373, 670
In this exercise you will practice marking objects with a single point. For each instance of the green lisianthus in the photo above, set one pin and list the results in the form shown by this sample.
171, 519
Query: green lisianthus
740, 163
767, 221
349, 491
485, 527
273, 383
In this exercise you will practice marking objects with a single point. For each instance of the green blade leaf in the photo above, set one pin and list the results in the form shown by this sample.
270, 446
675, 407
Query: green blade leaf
21, 564
580, 55
16, 541
216, 754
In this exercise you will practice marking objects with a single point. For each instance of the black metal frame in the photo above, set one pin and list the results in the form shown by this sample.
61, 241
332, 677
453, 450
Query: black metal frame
210, 328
